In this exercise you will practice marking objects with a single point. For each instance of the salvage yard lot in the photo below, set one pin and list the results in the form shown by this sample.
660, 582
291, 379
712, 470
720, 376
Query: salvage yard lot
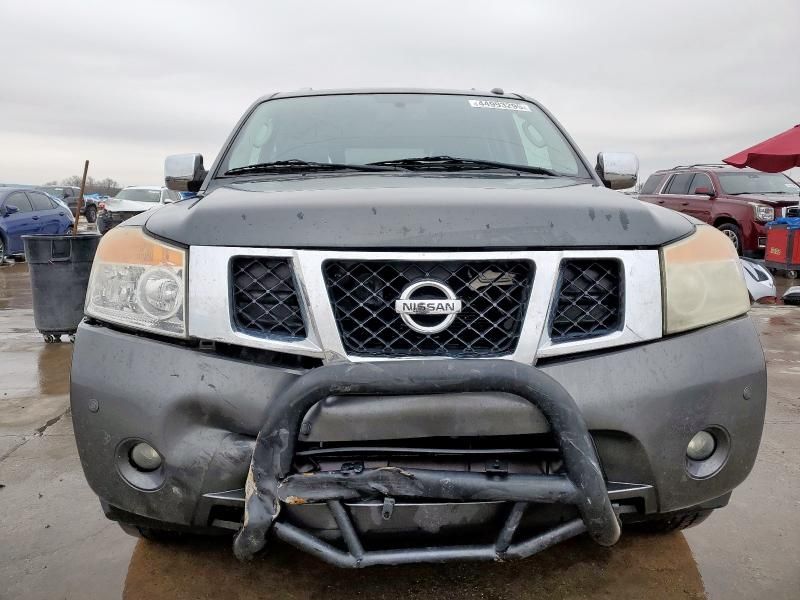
57, 544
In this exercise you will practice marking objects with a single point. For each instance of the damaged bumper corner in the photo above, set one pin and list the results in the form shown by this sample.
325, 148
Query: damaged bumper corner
270, 482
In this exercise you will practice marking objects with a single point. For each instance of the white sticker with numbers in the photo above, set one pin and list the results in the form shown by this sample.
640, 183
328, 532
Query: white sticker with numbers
500, 105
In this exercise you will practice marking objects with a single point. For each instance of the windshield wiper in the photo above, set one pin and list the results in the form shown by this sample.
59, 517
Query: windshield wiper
450, 163
296, 165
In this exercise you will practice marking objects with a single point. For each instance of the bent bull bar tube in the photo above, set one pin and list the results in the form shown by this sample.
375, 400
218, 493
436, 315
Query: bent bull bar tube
274, 451
425, 483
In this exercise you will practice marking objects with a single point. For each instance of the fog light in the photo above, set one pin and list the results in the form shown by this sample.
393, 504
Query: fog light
144, 457
701, 446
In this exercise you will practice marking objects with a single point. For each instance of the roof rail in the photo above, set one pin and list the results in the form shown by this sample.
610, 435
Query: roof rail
715, 165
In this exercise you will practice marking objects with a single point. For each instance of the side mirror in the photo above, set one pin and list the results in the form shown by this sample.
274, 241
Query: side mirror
10, 209
617, 170
184, 172
704, 191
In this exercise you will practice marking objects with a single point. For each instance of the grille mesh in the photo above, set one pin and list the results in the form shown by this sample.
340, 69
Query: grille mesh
494, 296
589, 299
264, 297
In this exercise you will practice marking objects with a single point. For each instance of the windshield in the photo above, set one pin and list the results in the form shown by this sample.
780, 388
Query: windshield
757, 183
369, 128
140, 195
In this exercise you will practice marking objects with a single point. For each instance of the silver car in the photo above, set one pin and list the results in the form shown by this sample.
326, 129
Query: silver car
131, 201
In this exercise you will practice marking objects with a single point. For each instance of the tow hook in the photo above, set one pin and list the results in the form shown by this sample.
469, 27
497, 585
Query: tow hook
388, 508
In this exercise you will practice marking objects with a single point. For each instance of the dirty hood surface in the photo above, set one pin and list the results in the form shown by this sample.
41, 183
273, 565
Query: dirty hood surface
412, 211
115, 205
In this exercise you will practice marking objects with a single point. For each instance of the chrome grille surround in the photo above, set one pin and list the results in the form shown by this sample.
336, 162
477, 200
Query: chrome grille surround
210, 300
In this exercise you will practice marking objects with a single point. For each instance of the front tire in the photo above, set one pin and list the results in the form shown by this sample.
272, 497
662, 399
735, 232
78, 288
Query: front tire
153, 534
675, 522
734, 233
91, 213
160, 536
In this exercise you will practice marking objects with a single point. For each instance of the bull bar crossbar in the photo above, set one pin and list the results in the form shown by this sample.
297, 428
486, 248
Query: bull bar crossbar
269, 481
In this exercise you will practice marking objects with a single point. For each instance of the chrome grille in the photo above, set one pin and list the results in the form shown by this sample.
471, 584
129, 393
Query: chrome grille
265, 300
589, 302
494, 296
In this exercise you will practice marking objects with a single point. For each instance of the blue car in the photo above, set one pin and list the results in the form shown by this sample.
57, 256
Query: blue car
24, 211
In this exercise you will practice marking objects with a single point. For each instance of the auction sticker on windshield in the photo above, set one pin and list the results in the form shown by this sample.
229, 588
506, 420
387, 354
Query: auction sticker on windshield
499, 104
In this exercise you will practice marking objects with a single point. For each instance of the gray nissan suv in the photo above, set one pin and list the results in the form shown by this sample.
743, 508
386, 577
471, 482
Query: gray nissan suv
413, 325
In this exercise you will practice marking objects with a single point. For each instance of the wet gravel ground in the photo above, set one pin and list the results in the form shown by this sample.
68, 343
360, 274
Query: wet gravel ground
636, 568
55, 543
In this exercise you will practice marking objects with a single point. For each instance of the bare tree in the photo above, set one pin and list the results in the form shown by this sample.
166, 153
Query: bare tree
107, 186
104, 187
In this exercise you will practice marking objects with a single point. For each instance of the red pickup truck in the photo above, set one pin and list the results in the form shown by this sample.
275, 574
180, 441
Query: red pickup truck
738, 202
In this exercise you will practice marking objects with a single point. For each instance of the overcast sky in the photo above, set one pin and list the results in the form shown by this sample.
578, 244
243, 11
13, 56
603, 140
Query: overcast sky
675, 82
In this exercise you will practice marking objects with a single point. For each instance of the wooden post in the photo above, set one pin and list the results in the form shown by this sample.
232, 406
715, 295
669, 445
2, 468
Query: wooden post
80, 198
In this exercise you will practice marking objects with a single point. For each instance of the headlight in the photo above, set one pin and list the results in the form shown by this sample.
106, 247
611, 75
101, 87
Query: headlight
702, 281
763, 213
138, 282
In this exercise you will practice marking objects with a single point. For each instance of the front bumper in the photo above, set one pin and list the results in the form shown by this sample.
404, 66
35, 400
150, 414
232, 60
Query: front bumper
203, 411
754, 239
107, 220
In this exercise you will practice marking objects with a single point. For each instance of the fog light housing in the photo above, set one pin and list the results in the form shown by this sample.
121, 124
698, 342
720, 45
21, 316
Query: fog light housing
701, 446
144, 457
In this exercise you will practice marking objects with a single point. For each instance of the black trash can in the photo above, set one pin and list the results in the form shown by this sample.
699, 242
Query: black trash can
59, 267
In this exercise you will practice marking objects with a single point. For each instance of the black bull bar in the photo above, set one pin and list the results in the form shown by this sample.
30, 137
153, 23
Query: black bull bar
269, 481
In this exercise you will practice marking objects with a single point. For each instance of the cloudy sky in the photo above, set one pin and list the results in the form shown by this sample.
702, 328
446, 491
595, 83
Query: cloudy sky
675, 82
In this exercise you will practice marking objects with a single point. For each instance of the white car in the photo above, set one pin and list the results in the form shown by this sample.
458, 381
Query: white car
131, 201
759, 280
792, 295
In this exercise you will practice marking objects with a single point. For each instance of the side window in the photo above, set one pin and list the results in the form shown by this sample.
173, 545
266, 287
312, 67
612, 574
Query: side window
652, 184
20, 200
679, 184
701, 180
39, 201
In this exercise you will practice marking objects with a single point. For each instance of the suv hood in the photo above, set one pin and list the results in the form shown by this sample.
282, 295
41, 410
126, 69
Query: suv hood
772, 199
413, 211
114, 205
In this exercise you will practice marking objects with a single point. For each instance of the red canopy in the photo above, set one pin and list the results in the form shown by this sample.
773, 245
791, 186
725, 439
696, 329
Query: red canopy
774, 155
